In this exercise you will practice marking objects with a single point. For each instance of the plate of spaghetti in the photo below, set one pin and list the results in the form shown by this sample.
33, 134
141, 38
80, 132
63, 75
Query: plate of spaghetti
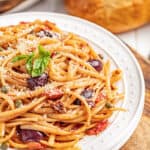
65, 84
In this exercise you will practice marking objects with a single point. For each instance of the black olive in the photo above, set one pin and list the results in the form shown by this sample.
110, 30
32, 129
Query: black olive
44, 33
30, 135
87, 93
97, 64
37, 81
90, 103
77, 102
47, 33
63, 124
31, 83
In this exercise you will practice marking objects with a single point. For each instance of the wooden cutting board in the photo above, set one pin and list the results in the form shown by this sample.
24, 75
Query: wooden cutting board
140, 140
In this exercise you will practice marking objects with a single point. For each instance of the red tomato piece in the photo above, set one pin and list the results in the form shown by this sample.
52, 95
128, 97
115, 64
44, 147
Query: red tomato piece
53, 94
101, 96
23, 22
101, 126
35, 146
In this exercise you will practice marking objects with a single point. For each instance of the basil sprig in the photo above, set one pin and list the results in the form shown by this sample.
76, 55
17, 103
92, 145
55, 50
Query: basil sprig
35, 65
20, 57
29, 63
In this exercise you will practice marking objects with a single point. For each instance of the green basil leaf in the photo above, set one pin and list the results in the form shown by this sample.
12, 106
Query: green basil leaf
46, 61
37, 63
29, 63
35, 66
43, 51
42, 67
41, 62
36, 71
20, 57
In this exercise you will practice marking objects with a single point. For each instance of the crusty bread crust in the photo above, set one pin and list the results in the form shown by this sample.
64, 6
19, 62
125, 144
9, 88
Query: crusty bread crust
115, 15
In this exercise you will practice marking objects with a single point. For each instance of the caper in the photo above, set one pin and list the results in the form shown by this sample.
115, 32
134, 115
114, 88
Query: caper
18, 103
4, 89
108, 105
4, 146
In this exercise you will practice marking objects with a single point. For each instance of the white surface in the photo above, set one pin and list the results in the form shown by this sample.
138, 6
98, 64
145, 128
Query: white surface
125, 123
138, 39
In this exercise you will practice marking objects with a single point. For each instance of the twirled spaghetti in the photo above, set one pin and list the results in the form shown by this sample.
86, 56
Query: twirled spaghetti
54, 87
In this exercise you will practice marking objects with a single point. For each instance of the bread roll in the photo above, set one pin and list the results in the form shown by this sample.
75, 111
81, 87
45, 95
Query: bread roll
115, 15
6, 5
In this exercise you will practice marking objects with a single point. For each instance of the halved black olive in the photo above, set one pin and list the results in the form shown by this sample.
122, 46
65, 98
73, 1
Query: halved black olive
97, 64
37, 81
30, 135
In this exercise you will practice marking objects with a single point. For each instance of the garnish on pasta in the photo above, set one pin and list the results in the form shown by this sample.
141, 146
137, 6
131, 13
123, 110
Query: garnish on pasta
54, 88
36, 67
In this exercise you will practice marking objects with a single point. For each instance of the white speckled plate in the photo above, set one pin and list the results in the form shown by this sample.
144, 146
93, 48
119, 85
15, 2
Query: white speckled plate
124, 123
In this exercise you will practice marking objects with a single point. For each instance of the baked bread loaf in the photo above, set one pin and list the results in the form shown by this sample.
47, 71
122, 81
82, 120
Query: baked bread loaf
115, 15
6, 5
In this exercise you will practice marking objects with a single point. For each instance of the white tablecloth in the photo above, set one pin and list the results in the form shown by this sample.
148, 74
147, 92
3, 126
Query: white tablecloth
138, 39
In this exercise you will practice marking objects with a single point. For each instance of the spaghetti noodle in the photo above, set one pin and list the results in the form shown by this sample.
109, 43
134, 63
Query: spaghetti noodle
54, 87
